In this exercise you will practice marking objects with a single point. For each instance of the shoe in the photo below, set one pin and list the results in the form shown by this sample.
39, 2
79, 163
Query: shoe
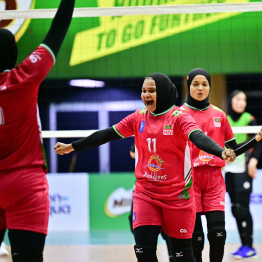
246, 252
235, 253
3, 250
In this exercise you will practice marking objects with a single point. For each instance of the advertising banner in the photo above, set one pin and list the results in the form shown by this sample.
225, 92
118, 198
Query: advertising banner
118, 46
110, 200
69, 202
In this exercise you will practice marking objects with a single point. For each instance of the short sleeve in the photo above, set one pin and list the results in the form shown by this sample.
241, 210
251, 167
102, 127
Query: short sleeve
36, 66
229, 135
125, 128
187, 123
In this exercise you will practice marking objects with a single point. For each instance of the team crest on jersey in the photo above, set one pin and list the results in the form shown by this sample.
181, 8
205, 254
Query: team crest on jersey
142, 125
168, 129
217, 121
177, 113
154, 163
204, 156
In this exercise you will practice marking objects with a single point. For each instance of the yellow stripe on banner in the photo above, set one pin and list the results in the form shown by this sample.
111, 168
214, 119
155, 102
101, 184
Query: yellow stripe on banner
116, 34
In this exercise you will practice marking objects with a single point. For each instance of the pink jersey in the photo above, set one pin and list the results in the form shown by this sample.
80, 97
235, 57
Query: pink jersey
214, 123
163, 168
20, 127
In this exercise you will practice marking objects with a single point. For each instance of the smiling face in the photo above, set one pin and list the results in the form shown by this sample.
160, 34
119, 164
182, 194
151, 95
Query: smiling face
148, 94
199, 88
239, 103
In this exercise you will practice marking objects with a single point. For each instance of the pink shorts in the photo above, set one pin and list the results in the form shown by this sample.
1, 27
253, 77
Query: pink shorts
210, 189
24, 200
177, 218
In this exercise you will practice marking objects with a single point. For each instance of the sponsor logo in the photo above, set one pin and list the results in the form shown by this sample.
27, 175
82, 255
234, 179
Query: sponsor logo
205, 157
180, 254
217, 121
222, 203
142, 125
199, 238
139, 250
16, 26
118, 33
155, 176
177, 113
154, 164
134, 216
246, 185
119, 202
182, 196
59, 204
220, 234
168, 129
183, 231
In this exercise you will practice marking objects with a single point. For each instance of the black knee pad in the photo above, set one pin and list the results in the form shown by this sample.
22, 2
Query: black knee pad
239, 211
183, 254
198, 241
27, 257
145, 253
217, 239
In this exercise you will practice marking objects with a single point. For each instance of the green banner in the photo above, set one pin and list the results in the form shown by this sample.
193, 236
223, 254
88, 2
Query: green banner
110, 198
125, 46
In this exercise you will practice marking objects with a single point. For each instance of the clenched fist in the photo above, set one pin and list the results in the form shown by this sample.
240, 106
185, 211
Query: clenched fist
229, 155
61, 148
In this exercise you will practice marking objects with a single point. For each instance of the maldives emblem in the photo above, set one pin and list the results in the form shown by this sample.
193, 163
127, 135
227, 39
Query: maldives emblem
168, 129
205, 157
217, 121
154, 163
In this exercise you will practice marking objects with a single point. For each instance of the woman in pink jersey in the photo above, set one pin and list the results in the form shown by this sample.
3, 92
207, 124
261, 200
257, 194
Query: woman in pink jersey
163, 196
209, 185
24, 197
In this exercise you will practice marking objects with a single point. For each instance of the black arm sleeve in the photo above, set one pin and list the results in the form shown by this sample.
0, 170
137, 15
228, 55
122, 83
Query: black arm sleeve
59, 26
96, 139
242, 147
205, 143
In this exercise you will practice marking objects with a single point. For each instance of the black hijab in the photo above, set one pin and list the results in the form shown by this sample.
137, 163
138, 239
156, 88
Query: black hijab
234, 115
189, 99
166, 92
8, 50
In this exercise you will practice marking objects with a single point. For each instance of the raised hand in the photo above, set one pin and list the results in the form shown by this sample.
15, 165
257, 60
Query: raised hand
61, 148
229, 155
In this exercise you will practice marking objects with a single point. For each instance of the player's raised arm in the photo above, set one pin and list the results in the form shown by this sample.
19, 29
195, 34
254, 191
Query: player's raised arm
59, 26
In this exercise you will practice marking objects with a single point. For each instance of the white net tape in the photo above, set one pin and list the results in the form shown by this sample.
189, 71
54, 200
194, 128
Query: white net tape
137, 10
84, 133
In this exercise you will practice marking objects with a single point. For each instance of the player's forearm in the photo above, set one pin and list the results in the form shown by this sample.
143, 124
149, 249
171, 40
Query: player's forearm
206, 144
59, 26
96, 139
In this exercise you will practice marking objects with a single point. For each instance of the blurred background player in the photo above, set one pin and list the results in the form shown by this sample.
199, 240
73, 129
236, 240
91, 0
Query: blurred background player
240, 174
163, 197
209, 184
24, 198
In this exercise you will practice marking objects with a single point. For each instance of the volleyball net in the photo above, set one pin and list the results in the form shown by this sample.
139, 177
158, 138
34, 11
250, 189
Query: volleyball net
112, 45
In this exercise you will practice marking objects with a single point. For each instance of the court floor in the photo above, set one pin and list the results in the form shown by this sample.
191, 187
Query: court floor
118, 253
117, 246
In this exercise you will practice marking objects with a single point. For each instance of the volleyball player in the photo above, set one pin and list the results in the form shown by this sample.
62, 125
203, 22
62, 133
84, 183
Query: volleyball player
239, 177
209, 184
163, 196
24, 198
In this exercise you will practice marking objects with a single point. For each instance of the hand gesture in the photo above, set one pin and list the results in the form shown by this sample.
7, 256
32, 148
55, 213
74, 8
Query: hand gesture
229, 155
61, 148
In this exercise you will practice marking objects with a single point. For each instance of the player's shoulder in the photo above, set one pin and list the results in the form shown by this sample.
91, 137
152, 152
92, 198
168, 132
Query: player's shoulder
217, 110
